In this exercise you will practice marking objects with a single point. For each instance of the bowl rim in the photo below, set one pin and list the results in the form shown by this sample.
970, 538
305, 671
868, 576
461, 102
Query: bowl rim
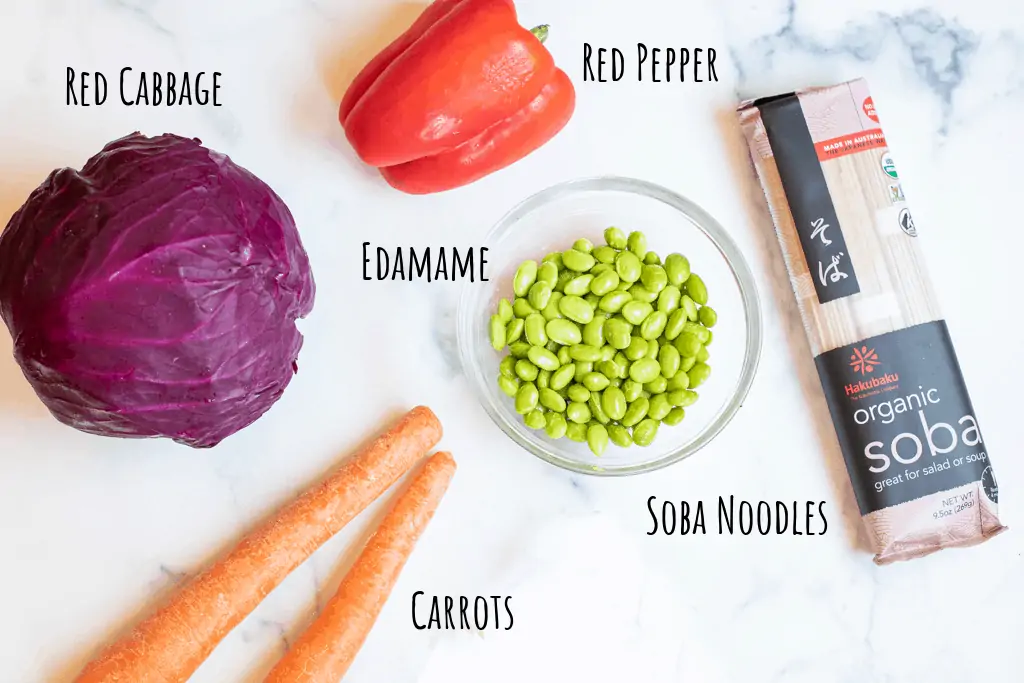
718, 236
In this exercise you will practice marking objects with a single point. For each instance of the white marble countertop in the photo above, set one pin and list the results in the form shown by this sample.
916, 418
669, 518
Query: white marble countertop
93, 531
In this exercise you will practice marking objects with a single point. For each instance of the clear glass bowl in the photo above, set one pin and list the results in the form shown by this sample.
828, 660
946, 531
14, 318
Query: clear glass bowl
552, 220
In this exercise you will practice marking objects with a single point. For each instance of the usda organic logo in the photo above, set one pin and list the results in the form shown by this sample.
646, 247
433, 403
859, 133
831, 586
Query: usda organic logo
889, 166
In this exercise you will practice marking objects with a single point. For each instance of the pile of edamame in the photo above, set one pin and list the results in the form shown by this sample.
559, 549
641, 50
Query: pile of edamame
606, 343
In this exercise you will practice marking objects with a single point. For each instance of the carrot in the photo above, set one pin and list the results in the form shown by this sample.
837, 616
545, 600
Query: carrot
324, 652
170, 645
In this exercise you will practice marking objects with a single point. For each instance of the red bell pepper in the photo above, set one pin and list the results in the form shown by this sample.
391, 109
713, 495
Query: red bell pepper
466, 91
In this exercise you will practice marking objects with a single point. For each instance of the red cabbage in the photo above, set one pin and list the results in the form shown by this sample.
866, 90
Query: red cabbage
155, 293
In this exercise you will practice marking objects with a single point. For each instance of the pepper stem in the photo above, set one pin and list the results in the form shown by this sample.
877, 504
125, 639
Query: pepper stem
541, 32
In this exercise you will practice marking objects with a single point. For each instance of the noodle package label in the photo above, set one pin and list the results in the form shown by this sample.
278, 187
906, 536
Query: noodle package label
899, 404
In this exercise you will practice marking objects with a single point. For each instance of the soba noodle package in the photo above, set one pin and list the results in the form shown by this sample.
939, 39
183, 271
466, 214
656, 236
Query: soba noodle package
910, 438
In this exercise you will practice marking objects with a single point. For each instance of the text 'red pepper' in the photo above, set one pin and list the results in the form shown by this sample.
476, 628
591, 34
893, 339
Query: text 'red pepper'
464, 92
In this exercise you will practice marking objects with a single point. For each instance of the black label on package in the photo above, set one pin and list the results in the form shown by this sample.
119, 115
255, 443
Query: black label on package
806, 190
903, 416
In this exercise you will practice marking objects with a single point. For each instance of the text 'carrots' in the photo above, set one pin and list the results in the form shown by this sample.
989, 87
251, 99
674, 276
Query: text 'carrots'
170, 645
324, 652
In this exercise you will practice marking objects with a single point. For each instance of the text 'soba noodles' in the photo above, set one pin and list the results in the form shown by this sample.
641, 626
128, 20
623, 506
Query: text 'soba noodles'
912, 445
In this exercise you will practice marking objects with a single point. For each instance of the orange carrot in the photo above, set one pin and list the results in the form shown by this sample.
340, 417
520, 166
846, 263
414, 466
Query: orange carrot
324, 652
170, 645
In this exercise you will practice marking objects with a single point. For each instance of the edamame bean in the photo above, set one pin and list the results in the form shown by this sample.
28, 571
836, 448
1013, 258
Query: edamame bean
563, 355
564, 276
497, 330
534, 327
604, 283
556, 426
636, 312
652, 259
660, 407
576, 432
562, 376
563, 331
617, 333
637, 243
645, 433
608, 368
542, 358
551, 311
641, 293
552, 346
652, 349
550, 399
613, 401
711, 336
526, 370
658, 385
632, 390
514, 331
584, 245
687, 364
543, 379
615, 382
688, 345
702, 332
508, 385
644, 370
604, 254
540, 294
680, 381
601, 268
526, 398
668, 300
637, 348
575, 308
674, 417
595, 381
596, 410
578, 261
636, 411
607, 353
615, 238
628, 266
524, 278
585, 352
619, 436
522, 308
703, 355
674, 326
505, 310
624, 286
554, 257
683, 399
547, 272
579, 285
535, 420
696, 288
689, 307
507, 367
677, 267
668, 358
578, 413
583, 368
707, 316
579, 393
699, 374
518, 349
654, 278
614, 301
593, 300
623, 363
593, 332
597, 439
653, 325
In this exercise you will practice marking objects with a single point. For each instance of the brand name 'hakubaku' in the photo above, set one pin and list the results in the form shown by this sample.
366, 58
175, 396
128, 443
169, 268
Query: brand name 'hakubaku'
873, 383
